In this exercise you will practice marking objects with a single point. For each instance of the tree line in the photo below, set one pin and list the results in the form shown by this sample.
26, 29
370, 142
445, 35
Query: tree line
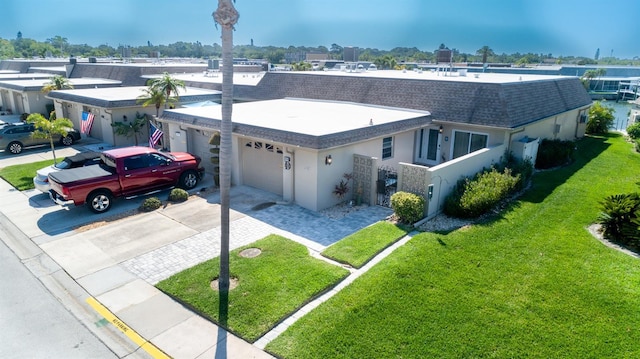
59, 47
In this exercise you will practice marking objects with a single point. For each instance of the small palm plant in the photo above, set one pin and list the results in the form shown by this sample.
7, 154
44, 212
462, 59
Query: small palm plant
619, 217
47, 128
132, 128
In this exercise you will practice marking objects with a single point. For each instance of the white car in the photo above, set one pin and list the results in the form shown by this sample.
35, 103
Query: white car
41, 180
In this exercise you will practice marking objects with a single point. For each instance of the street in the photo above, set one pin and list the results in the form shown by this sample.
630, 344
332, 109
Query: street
34, 324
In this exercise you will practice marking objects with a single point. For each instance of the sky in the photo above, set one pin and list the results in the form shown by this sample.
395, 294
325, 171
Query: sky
557, 27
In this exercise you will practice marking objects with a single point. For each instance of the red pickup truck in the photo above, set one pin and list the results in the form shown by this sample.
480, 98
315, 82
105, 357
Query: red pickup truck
124, 172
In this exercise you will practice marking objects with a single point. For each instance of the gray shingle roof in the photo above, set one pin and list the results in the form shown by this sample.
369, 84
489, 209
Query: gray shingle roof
495, 104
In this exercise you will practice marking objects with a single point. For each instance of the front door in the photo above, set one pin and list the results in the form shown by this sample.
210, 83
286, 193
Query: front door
427, 146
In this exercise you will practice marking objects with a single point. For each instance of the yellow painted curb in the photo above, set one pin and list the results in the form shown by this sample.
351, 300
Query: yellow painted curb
124, 328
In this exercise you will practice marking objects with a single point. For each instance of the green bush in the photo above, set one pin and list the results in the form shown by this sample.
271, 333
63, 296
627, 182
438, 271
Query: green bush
554, 153
637, 145
178, 195
150, 204
634, 131
474, 197
620, 218
601, 118
407, 206
523, 168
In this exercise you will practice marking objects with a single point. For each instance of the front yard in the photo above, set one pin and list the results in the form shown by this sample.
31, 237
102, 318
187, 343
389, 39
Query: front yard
531, 283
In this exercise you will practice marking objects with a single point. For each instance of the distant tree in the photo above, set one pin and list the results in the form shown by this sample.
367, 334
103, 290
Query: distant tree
168, 85
155, 96
132, 128
47, 128
485, 52
59, 43
301, 66
386, 62
600, 118
57, 82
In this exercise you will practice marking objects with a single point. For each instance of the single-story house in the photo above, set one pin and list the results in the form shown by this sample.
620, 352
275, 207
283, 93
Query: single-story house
25, 95
432, 122
117, 104
299, 148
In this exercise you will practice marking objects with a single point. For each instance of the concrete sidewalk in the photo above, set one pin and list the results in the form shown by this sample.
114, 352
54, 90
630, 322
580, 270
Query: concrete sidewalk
112, 264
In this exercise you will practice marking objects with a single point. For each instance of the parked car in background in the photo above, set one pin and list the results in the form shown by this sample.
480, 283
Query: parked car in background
14, 137
41, 180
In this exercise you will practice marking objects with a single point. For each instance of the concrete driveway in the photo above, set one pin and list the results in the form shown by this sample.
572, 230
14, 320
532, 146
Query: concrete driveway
115, 258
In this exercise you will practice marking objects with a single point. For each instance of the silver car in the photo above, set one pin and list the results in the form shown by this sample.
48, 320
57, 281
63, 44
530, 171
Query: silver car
41, 180
14, 137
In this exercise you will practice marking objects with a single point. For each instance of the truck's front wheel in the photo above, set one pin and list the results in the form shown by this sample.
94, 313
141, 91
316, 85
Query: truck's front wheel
188, 180
99, 201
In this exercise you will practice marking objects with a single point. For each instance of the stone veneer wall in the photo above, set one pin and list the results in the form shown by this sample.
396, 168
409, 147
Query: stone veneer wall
363, 170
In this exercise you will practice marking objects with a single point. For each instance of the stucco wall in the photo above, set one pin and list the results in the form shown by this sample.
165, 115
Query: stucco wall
445, 176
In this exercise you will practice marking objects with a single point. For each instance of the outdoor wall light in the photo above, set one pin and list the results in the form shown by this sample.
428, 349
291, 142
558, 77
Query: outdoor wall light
328, 160
124, 117
441, 129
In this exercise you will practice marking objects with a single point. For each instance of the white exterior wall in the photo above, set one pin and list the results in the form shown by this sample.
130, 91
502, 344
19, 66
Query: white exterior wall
445, 176
566, 123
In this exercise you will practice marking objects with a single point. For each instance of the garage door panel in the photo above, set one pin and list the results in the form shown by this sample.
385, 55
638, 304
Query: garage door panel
262, 166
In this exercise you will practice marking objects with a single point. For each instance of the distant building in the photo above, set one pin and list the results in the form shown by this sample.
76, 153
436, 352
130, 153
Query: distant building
316, 56
293, 57
350, 54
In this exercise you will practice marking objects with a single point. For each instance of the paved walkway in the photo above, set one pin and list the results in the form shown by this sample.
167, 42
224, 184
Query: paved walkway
113, 267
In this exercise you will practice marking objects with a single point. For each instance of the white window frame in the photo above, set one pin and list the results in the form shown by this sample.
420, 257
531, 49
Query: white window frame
388, 147
471, 133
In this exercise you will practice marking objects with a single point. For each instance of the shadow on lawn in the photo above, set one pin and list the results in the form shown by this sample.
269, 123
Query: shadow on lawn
545, 182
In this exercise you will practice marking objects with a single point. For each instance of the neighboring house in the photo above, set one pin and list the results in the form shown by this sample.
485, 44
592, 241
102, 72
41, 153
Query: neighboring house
25, 96
465, 124
117, 104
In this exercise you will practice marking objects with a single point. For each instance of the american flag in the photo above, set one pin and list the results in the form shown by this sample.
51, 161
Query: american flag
155, 135
87, 121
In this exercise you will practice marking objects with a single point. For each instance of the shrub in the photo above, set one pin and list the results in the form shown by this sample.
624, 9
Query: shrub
634, 131
554, 153
178, 195
150, 204
601, 118
523, 168
342, 188
407, 206
620, 218
474, 197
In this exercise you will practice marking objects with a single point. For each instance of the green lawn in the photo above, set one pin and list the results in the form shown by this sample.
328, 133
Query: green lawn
358, 248
21, 176
532, 283
271, 286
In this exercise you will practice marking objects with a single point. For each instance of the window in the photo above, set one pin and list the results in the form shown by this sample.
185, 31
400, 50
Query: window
135, 162
467, 142
387, 147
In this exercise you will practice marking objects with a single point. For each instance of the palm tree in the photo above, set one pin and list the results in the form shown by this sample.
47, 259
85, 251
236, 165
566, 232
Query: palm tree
154, 96
57, 82
132, 128
485, 51
46, 128
167, 85
227, 16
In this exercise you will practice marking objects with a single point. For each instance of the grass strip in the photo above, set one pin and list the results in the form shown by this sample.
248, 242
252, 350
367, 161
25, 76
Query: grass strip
21, 176
357, 249
272, 285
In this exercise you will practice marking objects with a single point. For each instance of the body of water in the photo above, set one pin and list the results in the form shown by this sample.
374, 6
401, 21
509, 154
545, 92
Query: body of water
621, 114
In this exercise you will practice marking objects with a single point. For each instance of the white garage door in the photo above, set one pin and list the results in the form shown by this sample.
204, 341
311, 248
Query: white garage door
262, 166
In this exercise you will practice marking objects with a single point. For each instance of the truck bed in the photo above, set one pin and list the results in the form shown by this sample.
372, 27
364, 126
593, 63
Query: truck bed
81, 173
